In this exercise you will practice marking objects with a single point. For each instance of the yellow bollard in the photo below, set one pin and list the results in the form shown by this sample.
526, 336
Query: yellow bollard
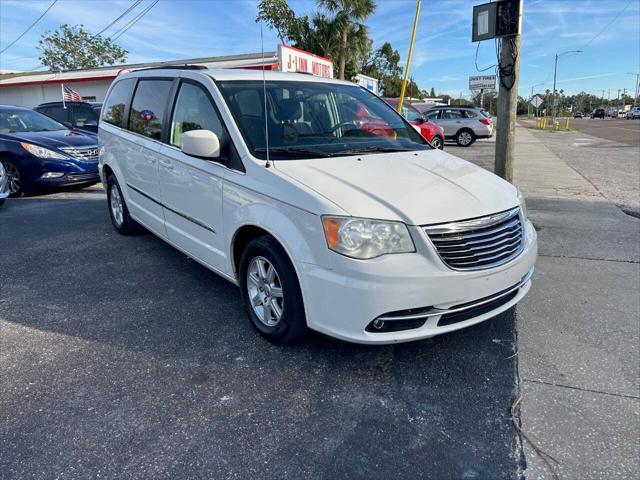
566, 124
556, 125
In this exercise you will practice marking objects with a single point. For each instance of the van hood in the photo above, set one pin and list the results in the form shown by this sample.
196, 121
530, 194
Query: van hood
417, 188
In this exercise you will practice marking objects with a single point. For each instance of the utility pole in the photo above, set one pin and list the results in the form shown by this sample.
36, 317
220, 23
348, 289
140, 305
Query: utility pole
555, 71
508, 103
635, 97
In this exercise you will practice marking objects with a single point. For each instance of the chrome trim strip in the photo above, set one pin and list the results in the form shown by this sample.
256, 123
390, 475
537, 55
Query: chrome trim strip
473, 224
180, 214
462, 236
436, 312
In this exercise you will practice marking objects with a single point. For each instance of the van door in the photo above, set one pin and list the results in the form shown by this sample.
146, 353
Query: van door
139, 164
192, 188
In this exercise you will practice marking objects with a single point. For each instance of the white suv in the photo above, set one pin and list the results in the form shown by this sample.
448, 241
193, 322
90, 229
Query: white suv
330, 212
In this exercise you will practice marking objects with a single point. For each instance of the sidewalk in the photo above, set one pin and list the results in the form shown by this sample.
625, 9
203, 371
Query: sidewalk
578, 329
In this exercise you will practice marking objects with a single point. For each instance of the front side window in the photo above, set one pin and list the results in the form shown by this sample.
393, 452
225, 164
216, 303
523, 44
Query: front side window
194, 111
432, 115
148, 107
114, 105
27, 121
316, 119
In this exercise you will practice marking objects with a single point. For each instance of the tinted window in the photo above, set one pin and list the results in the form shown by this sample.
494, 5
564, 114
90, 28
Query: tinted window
470, 114
194, 111
57, 112
113, 111
148, 107
84, 115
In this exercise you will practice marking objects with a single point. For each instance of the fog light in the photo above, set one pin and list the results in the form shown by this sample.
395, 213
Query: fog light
52, 174
378, 324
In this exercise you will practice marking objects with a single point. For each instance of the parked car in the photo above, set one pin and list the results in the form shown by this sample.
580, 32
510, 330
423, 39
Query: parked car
598, 113
462, 124
633, 113
578, 115
429, 130
77, 115
4, 185
36, 151
322, 223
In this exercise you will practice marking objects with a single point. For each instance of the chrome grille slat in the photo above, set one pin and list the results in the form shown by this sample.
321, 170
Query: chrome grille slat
480, 243
448, 256
87, 154
455, 237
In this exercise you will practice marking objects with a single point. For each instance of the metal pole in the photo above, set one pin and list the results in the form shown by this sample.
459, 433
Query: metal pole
553, 105
406, 72
482, 98
507, 104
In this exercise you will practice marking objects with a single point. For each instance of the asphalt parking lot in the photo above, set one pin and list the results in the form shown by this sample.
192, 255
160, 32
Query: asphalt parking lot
614, 129
122, 358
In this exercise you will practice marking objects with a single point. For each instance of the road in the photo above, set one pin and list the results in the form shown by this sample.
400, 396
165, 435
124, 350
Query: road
614, 129
122, 358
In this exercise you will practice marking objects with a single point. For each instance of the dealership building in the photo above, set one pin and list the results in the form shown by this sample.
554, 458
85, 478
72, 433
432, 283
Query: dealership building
32, 89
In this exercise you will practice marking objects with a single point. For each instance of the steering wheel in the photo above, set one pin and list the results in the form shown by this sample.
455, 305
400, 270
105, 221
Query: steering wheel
341, 125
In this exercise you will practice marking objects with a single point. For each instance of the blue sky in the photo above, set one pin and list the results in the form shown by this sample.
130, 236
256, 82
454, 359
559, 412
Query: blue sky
443, 55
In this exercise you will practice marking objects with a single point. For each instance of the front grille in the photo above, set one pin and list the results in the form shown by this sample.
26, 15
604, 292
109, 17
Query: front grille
88, 154
480, 243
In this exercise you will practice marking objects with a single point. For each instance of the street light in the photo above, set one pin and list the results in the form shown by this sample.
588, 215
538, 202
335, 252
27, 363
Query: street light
555, 71
637, 75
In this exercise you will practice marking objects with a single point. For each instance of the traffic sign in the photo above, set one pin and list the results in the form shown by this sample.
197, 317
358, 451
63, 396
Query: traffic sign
536, 101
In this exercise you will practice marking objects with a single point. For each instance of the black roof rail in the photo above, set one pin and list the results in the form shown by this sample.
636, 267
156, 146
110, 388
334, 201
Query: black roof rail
174, 67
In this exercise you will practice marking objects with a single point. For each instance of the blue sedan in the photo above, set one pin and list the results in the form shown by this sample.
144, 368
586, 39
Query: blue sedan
38, 152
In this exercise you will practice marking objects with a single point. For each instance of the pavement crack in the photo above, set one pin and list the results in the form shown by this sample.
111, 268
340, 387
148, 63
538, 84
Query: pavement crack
590, 258
542, 382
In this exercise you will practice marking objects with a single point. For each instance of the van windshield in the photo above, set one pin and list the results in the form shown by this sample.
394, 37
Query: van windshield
315, 119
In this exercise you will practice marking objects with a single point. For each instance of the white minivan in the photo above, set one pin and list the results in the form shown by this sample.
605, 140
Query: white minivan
317, 199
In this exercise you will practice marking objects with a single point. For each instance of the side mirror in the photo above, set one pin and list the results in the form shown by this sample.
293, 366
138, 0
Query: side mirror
201, 144
421, 119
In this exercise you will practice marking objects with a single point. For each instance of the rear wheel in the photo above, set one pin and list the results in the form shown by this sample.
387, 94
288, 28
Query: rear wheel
437, 142
118, 210
465, 138
271, 291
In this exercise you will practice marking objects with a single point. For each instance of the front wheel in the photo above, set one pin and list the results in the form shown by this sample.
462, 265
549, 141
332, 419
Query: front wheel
465, 138
271, 291
16, 179
437, 142
118, 210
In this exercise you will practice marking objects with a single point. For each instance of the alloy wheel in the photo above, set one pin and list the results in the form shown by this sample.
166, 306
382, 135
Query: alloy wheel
436, 143
13, 177
265, 291
115, 203
464, 138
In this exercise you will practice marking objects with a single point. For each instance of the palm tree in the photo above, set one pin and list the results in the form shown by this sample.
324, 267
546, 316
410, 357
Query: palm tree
349, 14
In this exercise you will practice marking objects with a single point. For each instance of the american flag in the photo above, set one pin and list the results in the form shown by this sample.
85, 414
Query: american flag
70, 95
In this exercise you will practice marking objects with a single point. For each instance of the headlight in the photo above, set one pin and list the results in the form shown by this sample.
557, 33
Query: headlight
365, 238
523, 205
42, 152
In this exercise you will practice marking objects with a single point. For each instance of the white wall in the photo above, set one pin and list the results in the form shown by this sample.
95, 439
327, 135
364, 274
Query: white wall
33, 95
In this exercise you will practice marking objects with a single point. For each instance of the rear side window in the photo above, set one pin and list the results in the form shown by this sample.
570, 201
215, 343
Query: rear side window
114, 105
470, 114
84, 115
148, 107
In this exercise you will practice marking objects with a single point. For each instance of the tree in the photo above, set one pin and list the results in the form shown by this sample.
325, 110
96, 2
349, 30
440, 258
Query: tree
384, 65
278, 15
71, 48
348, 14
432, 93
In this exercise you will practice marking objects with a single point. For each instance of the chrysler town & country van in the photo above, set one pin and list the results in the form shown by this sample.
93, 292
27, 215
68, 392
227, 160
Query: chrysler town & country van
276, 182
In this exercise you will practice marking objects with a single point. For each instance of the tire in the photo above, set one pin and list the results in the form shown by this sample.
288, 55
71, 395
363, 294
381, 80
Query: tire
437, 142
120, 218
281, 291
465, 138
18, 184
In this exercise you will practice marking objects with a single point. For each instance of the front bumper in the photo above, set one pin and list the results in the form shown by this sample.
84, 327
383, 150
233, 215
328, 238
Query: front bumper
72, 178
343, 301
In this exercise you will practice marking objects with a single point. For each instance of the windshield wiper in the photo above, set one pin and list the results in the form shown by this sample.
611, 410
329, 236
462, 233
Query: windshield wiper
295, 151
373, 149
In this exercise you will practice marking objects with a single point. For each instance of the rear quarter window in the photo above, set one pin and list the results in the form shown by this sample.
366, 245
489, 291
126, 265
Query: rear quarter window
114, 106
148, 107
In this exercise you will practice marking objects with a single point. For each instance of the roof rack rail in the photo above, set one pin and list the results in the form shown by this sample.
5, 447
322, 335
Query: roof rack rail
174, 67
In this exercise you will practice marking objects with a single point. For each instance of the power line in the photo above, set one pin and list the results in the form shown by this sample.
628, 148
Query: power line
135, 4
606, 26
29, 27
135, 20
